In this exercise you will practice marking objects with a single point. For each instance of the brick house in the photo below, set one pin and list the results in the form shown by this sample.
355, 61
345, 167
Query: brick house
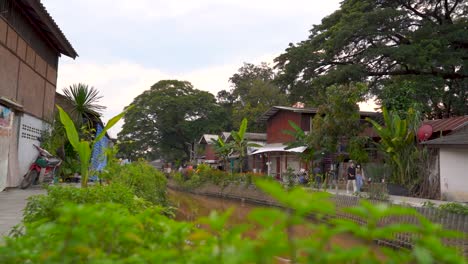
30, 46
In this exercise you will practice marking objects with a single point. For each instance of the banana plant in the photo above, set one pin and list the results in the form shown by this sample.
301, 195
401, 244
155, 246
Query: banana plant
397, 141
84, 148
222, 149
240, 143
302, 139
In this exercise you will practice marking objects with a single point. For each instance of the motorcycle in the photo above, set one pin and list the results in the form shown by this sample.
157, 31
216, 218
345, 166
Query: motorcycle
45, 166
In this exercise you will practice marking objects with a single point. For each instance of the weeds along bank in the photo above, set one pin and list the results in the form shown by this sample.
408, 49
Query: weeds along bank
112, 224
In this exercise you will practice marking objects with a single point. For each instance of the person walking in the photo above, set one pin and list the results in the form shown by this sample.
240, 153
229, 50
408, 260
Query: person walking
359, 179
351, 177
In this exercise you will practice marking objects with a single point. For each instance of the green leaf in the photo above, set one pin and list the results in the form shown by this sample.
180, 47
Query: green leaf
111, 123
70, 129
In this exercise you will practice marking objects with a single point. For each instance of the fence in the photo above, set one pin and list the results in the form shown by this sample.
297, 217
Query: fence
448, 221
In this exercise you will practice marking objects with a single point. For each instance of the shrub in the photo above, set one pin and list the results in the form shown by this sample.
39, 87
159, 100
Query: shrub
146, 181
110, 233
43, 207
454, 208
99, 233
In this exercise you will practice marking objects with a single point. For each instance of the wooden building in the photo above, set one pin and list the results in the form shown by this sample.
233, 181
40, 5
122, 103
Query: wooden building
275, 156
30, 46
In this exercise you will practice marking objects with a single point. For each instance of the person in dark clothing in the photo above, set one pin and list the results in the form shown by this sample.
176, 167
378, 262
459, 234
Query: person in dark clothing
351, 177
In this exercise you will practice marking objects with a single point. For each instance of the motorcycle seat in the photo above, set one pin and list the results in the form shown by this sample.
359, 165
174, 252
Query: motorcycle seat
53, 161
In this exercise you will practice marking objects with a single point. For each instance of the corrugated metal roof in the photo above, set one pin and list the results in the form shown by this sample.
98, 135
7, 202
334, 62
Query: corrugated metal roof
275, 109
457, 138
446, 124
251, 136
207, 139
44, 21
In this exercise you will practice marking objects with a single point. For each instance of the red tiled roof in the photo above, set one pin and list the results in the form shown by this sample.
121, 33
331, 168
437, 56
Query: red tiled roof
446, 124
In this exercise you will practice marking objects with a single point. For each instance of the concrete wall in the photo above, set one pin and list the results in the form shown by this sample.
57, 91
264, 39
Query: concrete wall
454, 174
25, 76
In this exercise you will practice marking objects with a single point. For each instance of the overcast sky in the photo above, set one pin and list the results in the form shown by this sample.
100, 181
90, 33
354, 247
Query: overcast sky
126, 46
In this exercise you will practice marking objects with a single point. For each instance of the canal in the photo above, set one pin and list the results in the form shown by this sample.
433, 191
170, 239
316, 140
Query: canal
191, 207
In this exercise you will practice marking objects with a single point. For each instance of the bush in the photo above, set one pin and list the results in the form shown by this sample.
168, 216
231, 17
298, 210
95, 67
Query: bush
110, 233
454, 208
44, 207
100, 233
146, 181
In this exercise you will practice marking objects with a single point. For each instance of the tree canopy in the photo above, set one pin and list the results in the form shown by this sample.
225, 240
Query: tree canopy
253, 92
419, 44
168, 118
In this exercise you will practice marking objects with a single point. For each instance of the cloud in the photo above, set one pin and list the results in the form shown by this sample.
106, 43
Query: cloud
119, 83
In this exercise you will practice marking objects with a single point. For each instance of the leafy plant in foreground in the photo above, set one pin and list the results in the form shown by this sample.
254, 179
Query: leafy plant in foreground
110, 233
84, 147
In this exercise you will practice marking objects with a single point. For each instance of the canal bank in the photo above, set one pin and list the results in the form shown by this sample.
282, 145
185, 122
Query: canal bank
191, 207
251, 194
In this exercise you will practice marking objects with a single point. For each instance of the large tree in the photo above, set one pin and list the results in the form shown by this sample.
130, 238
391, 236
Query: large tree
253, 92
168, 118
421, 45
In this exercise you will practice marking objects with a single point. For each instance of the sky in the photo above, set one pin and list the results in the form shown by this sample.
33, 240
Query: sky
126, 46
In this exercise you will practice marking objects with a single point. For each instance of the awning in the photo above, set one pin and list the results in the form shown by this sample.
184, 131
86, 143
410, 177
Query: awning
278, 148
10, 103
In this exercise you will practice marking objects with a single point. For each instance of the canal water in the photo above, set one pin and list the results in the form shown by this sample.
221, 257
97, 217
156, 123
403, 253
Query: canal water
191, 207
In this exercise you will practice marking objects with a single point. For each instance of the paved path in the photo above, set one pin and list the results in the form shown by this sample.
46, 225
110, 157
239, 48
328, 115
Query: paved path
404, 200
12, 203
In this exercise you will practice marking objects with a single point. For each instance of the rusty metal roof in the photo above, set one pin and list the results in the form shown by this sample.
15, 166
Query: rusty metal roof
446, 124
458, 138
275, 109
44, 22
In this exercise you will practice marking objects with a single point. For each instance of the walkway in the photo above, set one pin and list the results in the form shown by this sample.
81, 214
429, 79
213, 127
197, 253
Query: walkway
12, 203
403, 200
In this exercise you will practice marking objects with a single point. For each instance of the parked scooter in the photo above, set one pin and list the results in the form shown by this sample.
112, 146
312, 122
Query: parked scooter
44, 167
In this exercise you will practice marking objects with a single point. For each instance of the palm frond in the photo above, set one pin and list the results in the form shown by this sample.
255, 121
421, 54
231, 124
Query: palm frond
84, 100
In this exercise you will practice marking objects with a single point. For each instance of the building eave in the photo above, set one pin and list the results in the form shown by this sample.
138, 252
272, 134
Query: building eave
44, 22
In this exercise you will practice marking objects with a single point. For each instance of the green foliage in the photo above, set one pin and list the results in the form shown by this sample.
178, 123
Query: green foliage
222, 150
167, 117
455, 208
398, 143
253, 92
338, 117
44, 207
84, 100
357, 149
240, 143
415, 44
99, 233
146, 181
83, 147
110, 233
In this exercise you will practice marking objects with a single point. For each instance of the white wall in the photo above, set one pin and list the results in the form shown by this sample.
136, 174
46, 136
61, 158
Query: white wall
30, 129
454, 174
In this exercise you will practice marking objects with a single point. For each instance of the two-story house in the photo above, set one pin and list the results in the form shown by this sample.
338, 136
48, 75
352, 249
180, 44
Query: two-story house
274, 158
30, 46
